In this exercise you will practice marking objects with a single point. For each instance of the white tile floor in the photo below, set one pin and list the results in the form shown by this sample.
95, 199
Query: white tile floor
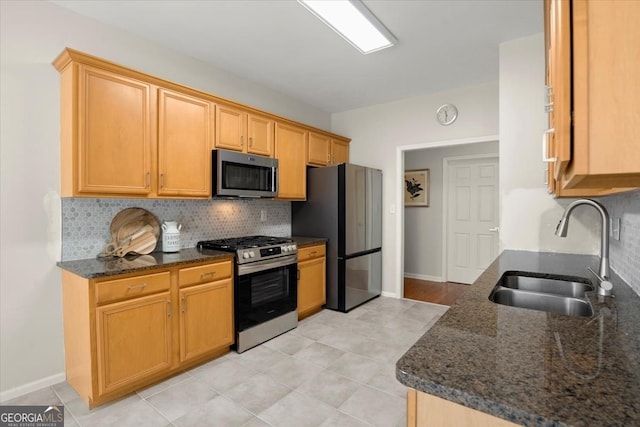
334, 369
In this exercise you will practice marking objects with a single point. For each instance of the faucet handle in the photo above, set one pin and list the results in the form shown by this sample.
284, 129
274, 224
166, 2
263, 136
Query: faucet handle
604, 285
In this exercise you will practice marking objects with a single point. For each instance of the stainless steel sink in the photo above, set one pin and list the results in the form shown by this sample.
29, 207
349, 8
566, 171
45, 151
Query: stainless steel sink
552, 294
556, 285
542, 302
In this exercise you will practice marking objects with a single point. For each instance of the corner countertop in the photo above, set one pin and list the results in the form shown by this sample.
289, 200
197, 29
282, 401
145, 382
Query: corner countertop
94, 268
530, 367
302, 241
103, 267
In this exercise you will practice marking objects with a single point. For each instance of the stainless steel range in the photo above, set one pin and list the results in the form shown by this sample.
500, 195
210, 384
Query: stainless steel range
265, 286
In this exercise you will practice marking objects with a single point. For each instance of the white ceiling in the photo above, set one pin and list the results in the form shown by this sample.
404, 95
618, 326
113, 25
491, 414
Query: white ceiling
279, 44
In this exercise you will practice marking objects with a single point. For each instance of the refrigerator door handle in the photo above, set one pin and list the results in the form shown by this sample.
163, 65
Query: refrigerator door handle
359, 254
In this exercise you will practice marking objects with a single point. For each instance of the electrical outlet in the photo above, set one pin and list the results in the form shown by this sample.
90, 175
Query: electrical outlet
263, 216
615, 228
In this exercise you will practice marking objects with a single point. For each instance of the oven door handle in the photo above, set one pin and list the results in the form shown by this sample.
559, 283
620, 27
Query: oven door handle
267, 264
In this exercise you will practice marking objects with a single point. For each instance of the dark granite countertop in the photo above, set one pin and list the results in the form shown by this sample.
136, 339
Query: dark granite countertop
94, 268
102, 267
530, 367
302, 241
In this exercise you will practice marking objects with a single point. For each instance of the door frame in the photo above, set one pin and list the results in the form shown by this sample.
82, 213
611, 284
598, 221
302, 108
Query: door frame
398, 208
445, 204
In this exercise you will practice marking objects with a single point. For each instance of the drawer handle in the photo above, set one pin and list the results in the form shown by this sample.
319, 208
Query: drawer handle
312, 253
209, 274
133, 288
184, 304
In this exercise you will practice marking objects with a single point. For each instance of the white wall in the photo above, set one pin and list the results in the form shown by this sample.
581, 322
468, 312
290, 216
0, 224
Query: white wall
32, 35
378, 131
423, 227
529, 215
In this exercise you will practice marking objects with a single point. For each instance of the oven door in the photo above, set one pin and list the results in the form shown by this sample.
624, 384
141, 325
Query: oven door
265, 290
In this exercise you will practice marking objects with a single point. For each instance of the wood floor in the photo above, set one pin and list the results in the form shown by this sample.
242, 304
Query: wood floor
436, 292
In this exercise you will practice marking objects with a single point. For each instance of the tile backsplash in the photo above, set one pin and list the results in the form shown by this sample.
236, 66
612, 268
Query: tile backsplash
86, 222
624, 254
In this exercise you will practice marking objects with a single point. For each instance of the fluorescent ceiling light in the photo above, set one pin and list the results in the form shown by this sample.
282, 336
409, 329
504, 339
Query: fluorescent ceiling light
354, 22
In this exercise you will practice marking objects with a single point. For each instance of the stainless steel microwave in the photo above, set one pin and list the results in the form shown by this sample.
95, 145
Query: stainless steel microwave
244, 175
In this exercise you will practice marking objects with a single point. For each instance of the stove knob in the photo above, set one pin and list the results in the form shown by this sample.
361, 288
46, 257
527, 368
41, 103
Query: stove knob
252, 254
245, 255
284, 248
293, 247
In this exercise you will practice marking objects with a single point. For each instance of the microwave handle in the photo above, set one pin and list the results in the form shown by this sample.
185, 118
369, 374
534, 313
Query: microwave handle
274, 180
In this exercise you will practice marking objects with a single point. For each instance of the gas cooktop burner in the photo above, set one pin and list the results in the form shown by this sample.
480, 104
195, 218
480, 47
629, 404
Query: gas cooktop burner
253, 248
236, 243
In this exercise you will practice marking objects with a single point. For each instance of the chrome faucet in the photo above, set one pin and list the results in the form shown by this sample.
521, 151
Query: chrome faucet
604, 288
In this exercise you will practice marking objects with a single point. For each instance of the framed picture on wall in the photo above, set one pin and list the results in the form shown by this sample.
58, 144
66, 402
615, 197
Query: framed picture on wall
416, 188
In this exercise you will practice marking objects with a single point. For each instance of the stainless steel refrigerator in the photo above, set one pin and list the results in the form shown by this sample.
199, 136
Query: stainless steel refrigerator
344, 205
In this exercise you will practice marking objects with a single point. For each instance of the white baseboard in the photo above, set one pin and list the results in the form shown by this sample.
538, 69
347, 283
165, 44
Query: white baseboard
389, 294
424, 277
32, 386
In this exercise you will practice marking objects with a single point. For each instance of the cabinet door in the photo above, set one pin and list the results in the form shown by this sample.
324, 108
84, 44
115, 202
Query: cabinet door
606, 42
339, 152
230, 127
311, 285
184, 145
206, 318
114, 139
319, 149
260, 131
133, 340
291, 143
558, 78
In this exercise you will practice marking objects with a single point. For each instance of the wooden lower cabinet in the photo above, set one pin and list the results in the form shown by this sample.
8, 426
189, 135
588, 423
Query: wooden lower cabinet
312, 269
425, 410
126, 332
134, 340
206, 318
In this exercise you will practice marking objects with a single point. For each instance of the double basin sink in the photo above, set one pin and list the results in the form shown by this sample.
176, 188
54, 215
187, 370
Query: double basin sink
535, 291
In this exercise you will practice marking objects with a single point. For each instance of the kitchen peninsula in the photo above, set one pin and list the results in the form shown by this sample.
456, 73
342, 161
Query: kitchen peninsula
524, 366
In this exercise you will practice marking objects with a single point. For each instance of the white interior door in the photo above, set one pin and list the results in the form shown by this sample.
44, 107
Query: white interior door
472, 217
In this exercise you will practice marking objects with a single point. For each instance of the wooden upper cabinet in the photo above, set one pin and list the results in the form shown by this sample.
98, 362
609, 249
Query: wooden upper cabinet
261, 134
339, 152
291, 148
111, 151
240, 130
324, 150
185, 141
129, 134
230, 128
592, 67
319, 152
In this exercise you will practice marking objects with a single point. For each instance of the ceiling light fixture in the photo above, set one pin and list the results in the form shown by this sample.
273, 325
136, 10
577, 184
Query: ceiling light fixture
354, 22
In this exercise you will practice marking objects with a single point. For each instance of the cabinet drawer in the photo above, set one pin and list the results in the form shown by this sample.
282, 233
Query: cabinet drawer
311, 252
132, 287
204, 273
